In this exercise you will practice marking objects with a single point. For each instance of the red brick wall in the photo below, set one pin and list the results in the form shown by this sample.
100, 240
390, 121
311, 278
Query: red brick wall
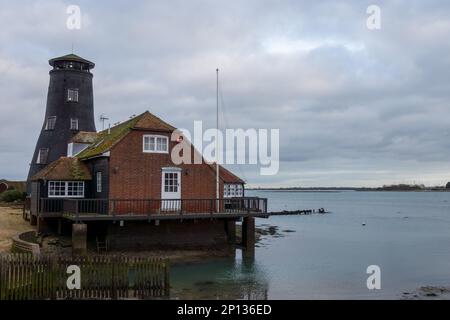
168, 234
137, 175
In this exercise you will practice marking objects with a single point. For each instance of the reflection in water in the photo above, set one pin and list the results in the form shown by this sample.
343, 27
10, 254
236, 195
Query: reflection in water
220, 278
326, 256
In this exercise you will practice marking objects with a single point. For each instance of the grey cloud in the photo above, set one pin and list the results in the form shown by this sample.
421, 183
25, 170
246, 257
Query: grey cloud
354, 106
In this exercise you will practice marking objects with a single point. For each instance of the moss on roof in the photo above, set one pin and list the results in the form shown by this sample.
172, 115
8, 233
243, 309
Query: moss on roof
65, 168
106, 139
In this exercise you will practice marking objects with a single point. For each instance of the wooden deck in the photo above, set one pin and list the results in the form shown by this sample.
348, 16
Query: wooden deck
164, 216
79, 210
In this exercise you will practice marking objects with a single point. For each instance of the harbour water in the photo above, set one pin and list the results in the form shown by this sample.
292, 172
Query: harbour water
407, 234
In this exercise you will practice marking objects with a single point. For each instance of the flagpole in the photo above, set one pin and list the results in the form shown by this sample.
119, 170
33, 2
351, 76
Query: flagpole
217, 139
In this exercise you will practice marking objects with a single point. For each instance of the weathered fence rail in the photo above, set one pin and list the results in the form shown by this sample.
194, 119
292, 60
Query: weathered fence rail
24, 277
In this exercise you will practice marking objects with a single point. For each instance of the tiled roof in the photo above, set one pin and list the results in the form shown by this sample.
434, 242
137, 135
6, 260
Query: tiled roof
71, 57
225, 175
103, 141
106, 139
65, 168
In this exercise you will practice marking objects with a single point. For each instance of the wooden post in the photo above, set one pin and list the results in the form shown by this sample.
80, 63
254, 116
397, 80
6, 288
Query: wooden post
2, 278
248, 235
167, 278
114, 261
42, 226
33, 219
53, 276
79, 238
230, 229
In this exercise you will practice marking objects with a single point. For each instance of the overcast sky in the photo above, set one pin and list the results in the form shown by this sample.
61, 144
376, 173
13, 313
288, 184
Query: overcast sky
355, 107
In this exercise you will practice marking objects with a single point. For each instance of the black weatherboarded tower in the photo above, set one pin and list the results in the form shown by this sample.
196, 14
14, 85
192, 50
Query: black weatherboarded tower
70, 108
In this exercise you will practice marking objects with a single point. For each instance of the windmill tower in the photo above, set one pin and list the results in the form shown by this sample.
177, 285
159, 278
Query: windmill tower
70, 108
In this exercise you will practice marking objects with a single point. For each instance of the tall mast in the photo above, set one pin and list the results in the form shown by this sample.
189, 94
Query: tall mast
217, 139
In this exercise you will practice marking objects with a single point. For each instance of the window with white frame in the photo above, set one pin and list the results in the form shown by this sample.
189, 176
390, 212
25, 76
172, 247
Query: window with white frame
73, 124
74, 189
56, 189
239, 190
171, 181
42, 156
155, 144
231, 190
72, 95
99, 181
50, 125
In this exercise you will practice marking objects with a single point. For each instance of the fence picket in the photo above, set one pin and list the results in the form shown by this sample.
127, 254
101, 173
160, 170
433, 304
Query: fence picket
23, 276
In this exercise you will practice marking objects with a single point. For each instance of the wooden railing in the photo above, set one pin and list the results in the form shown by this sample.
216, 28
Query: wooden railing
51, 205
97, 206
115, 207
182, 206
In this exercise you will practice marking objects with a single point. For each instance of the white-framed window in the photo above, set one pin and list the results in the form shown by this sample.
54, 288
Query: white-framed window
73, 124
72, 95
231, 190
239, 190
155, 144
226, 190
70, 149
99, 181
42, 156
171, 181
73, 189
50, 125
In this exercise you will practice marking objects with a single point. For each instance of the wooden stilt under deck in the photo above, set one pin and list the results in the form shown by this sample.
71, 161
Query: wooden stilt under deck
230, 228
248, 235
79, 238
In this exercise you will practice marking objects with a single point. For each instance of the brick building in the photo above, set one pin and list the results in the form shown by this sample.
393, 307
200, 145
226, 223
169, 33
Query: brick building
122, 186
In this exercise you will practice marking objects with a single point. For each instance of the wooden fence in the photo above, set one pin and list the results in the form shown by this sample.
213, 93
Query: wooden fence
24, 277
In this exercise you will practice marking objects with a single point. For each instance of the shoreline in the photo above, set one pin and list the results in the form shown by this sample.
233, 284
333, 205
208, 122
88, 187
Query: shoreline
345, 190
11, 223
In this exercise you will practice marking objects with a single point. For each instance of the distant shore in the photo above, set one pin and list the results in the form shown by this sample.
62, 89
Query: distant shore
334, 189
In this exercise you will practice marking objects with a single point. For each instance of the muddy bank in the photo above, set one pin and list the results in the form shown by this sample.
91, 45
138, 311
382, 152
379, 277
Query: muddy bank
428, 293
11, 223
263, 232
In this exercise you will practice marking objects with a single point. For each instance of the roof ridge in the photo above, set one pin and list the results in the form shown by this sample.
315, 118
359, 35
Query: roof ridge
107, 138
122, 123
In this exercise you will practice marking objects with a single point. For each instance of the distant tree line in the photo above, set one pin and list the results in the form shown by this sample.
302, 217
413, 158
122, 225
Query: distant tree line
393, 187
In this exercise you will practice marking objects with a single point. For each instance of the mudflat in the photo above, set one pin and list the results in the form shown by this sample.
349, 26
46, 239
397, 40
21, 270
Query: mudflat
11, 223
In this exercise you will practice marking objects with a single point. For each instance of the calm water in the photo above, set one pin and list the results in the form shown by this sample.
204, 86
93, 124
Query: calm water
406, 233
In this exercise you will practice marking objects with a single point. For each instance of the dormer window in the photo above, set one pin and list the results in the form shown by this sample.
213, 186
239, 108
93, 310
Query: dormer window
42, 156
155, 144
72, 95
73, 124
50, 125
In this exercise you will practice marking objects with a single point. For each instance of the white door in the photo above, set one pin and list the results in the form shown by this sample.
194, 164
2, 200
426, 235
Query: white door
171, 189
